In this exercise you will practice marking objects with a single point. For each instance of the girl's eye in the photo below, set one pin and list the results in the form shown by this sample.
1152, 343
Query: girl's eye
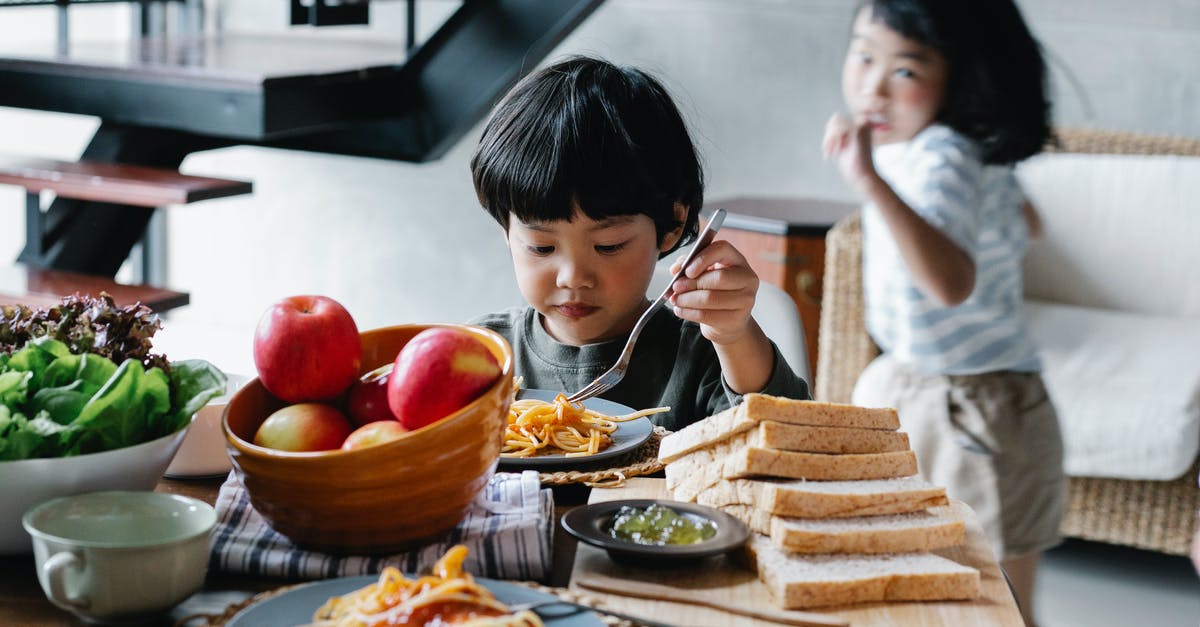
540, 251
864, 58
610, 249
905, 73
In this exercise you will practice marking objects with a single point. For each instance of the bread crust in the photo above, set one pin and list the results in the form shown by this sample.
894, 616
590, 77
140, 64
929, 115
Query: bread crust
751, 461
897, 533
805, 581
757, 408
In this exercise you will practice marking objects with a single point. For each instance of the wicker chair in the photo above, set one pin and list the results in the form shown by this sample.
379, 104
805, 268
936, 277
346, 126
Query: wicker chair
1155, 515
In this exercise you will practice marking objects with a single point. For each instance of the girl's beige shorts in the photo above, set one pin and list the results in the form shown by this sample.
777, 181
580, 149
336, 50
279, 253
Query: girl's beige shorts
991, 439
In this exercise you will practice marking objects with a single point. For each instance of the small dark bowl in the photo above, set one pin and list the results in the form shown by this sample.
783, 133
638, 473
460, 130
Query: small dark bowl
591, 524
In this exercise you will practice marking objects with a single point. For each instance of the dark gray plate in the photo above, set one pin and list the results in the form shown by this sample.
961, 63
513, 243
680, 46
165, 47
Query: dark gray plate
626, 439
591, 524
296, 606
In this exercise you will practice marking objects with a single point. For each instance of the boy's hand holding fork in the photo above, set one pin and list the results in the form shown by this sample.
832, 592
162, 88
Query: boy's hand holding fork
717, 291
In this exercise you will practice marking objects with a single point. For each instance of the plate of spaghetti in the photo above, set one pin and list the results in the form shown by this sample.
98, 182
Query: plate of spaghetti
446, 596
545, 432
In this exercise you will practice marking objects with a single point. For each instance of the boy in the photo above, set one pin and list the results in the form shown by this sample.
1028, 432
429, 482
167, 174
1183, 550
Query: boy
590, 171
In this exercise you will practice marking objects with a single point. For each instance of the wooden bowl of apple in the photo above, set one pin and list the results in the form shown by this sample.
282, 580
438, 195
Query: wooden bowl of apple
341, 454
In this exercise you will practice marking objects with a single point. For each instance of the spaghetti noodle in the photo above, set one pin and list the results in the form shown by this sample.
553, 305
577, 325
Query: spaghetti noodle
449, 596
539, 427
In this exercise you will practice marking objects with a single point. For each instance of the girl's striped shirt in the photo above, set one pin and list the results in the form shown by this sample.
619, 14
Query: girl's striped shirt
938, 173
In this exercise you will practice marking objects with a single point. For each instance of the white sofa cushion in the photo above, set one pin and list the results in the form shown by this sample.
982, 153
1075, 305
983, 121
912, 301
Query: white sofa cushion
1121, 231
1126, 387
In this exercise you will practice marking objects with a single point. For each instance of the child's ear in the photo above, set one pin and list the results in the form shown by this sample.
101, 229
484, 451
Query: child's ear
670, 238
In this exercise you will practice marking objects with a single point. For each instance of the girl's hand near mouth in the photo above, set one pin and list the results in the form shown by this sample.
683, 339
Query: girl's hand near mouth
849, 142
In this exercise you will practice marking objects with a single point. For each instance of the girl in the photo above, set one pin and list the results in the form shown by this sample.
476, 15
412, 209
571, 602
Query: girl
944, 96
589, 169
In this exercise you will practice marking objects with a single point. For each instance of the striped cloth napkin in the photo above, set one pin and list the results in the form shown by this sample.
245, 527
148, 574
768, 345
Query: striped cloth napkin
508, 530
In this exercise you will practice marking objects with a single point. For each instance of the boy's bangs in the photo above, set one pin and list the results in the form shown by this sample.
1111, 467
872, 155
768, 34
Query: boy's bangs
554, 173
587, 134
614, 182
549, 190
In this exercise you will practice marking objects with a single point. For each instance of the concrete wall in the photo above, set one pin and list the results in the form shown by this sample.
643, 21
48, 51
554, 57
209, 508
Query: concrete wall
398, 242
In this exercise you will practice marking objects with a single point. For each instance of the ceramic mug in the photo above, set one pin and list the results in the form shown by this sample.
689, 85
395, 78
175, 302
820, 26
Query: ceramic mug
115, 557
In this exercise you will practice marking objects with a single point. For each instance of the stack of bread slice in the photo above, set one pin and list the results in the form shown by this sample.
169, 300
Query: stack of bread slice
831, 494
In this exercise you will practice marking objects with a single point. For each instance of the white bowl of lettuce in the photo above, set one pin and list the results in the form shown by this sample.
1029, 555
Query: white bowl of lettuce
78, 422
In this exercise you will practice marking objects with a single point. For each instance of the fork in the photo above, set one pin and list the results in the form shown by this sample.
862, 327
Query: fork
613, 376
571, 609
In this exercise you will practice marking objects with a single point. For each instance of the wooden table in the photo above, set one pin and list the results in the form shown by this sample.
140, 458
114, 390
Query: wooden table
722, 579
23, 603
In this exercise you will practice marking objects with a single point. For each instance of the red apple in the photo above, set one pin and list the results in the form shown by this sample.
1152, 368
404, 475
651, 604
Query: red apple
373, 433
304, 427
439, 371
367, 400
306, 348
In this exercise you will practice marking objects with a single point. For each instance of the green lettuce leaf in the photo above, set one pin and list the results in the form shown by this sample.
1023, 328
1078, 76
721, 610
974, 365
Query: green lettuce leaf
62, 404
36, 358
14, 386
20, 439
116, 415
84, 403
194, 382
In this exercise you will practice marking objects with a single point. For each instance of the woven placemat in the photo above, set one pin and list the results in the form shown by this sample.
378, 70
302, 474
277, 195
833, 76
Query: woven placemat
643, 461
220, 620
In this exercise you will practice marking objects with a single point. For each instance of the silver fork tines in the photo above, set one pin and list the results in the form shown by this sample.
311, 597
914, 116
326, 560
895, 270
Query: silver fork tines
613, 376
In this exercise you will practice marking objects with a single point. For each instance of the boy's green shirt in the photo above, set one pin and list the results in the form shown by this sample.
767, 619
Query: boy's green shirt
673, 365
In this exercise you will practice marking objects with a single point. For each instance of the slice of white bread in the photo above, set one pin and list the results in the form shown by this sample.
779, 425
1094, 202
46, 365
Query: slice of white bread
769, 434
689, 476
756, 408
825, 499
805, 581
731, 460
760, 462
785, 437
896, 533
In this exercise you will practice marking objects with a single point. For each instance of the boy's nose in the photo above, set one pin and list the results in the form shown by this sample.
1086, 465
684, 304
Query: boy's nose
574, 275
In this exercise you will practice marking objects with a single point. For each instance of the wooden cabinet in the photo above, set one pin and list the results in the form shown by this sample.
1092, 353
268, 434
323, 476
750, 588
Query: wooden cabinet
784, 241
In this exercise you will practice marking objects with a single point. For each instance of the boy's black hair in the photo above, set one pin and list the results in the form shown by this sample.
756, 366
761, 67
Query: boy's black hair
586, 131
996, 88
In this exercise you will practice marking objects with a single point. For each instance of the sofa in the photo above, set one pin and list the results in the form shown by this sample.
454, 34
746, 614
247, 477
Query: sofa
1112, 296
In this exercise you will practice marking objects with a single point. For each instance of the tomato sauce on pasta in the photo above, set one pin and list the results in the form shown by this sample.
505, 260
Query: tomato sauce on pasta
448, 596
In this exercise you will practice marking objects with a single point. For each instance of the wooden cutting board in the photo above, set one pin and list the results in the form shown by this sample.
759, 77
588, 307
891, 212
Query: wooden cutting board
726, 581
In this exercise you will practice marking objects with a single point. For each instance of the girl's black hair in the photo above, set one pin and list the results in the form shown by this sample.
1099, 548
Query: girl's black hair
996, 90
586, 131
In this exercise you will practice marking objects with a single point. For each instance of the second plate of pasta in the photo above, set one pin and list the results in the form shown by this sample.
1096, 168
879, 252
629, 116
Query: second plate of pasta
625, 438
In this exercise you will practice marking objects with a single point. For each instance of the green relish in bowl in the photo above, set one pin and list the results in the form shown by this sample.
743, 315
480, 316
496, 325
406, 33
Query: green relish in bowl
655, 533
659, 525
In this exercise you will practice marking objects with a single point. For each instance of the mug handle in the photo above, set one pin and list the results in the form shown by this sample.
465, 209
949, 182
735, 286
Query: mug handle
53, 569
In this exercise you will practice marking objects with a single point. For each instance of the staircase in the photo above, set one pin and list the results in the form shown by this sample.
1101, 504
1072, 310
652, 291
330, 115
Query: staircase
412, 110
